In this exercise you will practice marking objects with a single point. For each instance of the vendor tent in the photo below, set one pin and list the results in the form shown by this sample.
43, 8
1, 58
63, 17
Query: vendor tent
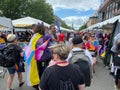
27, 22
105, 24
65, 29
6, 23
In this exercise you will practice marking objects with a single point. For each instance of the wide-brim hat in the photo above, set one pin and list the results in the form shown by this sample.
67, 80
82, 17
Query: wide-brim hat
55, 46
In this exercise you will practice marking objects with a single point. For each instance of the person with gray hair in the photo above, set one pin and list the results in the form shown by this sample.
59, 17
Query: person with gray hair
61, 71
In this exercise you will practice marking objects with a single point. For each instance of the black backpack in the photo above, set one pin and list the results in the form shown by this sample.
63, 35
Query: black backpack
66, 85
79, 58
85, 68
8, 56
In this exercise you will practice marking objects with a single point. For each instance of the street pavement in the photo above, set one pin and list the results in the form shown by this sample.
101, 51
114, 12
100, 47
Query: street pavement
101, 80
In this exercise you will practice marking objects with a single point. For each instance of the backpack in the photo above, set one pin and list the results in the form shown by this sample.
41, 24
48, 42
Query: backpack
8, 56
78, 54
79, 58
66, 85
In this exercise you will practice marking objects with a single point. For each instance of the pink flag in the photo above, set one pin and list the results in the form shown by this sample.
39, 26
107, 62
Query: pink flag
40, 50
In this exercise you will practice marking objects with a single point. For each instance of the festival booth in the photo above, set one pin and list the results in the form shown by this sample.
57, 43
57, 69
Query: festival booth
106, 25
66, 30
26, 23
6, 24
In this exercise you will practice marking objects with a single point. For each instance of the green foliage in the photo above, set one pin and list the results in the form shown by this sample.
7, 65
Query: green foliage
83, 27
65, 25
15, 9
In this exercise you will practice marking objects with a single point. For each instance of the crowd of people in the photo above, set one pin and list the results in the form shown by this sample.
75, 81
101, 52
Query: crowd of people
61, 59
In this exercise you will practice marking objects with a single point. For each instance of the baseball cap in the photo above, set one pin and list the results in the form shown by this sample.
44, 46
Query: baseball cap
77, 40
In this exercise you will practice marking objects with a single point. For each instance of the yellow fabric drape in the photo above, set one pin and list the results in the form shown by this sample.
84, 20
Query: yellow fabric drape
34, 77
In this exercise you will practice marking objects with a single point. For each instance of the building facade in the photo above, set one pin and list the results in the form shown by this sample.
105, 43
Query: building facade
92, 20
108, 9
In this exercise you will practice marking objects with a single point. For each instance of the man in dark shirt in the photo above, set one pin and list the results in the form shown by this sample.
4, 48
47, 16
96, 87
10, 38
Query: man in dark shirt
19, 67
61, 70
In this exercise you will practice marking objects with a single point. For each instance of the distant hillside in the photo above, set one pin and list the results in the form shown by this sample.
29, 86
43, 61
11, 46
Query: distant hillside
61, 22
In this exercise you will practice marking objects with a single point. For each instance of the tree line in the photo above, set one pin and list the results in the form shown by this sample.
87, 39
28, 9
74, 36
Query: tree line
15, 9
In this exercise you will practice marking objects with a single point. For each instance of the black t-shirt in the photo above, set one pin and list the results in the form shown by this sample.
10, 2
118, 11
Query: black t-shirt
52, 75
17, 50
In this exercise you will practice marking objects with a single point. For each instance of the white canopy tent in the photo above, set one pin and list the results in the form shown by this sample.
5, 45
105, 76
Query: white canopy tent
64, 29
107, 23
6, 24
27, 21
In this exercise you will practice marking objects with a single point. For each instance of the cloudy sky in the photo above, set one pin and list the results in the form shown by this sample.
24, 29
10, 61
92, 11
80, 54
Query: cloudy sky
74, 12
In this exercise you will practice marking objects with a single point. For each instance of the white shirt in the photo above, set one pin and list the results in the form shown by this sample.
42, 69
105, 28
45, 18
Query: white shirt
87, 53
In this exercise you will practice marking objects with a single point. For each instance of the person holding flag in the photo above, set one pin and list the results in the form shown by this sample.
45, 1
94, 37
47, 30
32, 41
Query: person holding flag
61, 35
39, 57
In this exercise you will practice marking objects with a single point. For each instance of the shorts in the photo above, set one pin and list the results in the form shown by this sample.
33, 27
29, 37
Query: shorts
12, 70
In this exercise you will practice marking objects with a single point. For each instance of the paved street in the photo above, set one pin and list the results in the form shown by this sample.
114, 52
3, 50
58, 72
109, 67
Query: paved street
101, 81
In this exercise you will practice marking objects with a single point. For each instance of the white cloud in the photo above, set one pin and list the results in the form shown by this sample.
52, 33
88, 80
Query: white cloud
81, 5
75, 21
78, 5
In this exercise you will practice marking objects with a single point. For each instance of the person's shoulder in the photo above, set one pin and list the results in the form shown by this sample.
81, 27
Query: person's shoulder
74, 66
50, 68
9, 45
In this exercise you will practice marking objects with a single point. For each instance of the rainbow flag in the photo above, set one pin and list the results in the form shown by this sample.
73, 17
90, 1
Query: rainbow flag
103, 51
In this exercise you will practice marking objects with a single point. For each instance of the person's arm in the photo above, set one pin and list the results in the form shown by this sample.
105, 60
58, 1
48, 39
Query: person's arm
39, 88
20, 50
87, 53
81, 87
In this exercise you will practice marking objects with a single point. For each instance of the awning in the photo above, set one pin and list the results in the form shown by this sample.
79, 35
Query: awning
27, 22
105, 24
6, 23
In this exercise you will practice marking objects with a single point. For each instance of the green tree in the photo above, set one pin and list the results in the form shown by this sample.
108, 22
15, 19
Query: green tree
65, 25
15, 9
41, 10
83, 27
